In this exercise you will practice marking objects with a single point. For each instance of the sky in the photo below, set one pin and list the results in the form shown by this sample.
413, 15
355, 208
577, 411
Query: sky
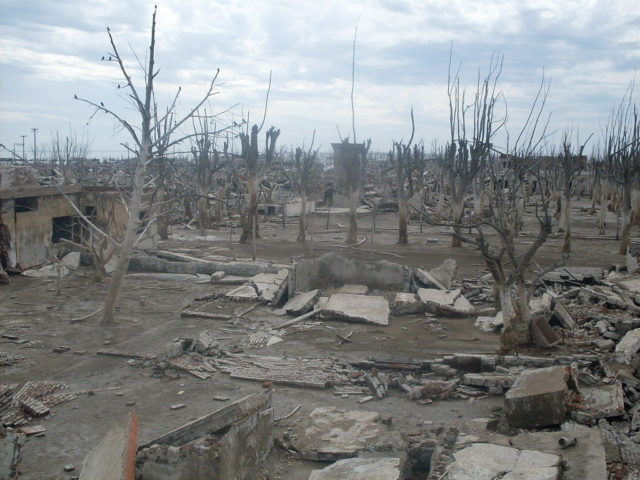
51, 51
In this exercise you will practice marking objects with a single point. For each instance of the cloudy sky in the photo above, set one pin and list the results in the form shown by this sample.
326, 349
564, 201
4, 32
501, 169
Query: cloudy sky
50, 51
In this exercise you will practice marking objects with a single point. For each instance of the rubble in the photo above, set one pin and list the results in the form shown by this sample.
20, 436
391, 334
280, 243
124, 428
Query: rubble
267, 288
407, 303
445, 272
490, 324
353, 289
630, 343
48, 271
357, 308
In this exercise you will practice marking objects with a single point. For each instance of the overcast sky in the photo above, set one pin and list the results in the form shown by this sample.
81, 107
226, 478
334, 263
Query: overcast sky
50, 51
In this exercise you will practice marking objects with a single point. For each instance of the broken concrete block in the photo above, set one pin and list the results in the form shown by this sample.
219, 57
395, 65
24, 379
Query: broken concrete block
445, 272
243, 293
489, 380
433, 389
353, 289
540, 304
114, 458
539, 397
542, 333
448, 303
603, 344
357, 308
630, 343
268, 288
302, 302
407, 303
485, 461
428, 280
204, 343
385, 468
330, 434
562, 316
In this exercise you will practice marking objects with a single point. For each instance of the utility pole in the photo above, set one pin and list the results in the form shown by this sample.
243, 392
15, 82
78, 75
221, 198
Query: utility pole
23, 137
34, 130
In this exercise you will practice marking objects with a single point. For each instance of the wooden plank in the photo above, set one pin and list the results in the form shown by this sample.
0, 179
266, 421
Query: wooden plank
215, 421
214, 316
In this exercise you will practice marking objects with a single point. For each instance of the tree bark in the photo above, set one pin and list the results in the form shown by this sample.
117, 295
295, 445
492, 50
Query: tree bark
354, 200
458, 211
247, 229
626, 218
566, 221
403, 235
303, 218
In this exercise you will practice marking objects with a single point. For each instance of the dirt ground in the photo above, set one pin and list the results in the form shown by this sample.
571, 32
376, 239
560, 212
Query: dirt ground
149, 319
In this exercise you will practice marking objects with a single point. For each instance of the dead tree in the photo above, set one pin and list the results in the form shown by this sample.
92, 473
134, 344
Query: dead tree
467, 152
68, 154
622, 140
409, 164
304, 162
571, 164
145, 151
255, 166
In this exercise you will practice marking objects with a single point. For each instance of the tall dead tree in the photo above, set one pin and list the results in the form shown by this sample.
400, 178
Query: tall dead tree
622, 140
146, 143
255, 166
467, 152
67, 155
409, 164
571, 164
304, 162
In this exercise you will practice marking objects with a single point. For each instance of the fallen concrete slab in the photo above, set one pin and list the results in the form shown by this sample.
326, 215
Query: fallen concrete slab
602, 401
268, 288
445, 272
386, 468
407, 303
330, 434
302, 302
427, 280
357, 308
539, 397
48, 271
490, 324
447, 303
485, 461
10, 453
114, 458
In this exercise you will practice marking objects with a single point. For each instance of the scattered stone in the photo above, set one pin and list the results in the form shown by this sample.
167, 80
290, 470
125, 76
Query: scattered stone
630, 343
447, 303
219, 275
178, 406
69, 467
428, 280
220, 398
71, 260
490, 324
48, 271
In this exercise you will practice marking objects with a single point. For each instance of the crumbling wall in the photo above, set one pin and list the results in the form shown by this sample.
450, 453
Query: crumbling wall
333, 270
227, 444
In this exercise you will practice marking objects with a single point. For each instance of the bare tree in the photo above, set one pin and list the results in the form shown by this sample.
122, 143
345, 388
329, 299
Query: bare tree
304, 162
571, 164
622, 140
409, 164
67, 155
467, 152
146, 143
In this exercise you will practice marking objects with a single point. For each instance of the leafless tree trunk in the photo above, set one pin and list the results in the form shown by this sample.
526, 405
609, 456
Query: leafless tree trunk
304, 162
146, 151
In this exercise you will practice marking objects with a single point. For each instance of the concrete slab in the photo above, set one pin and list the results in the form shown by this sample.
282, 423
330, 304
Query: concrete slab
490, 324
353, 289
330, 434
302, 303
485, 461
48, 271
357, 308
387, 468
114, 458
428, 280
407, 303
447, 303
445, 272
268, 288
603, 401
539, 397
